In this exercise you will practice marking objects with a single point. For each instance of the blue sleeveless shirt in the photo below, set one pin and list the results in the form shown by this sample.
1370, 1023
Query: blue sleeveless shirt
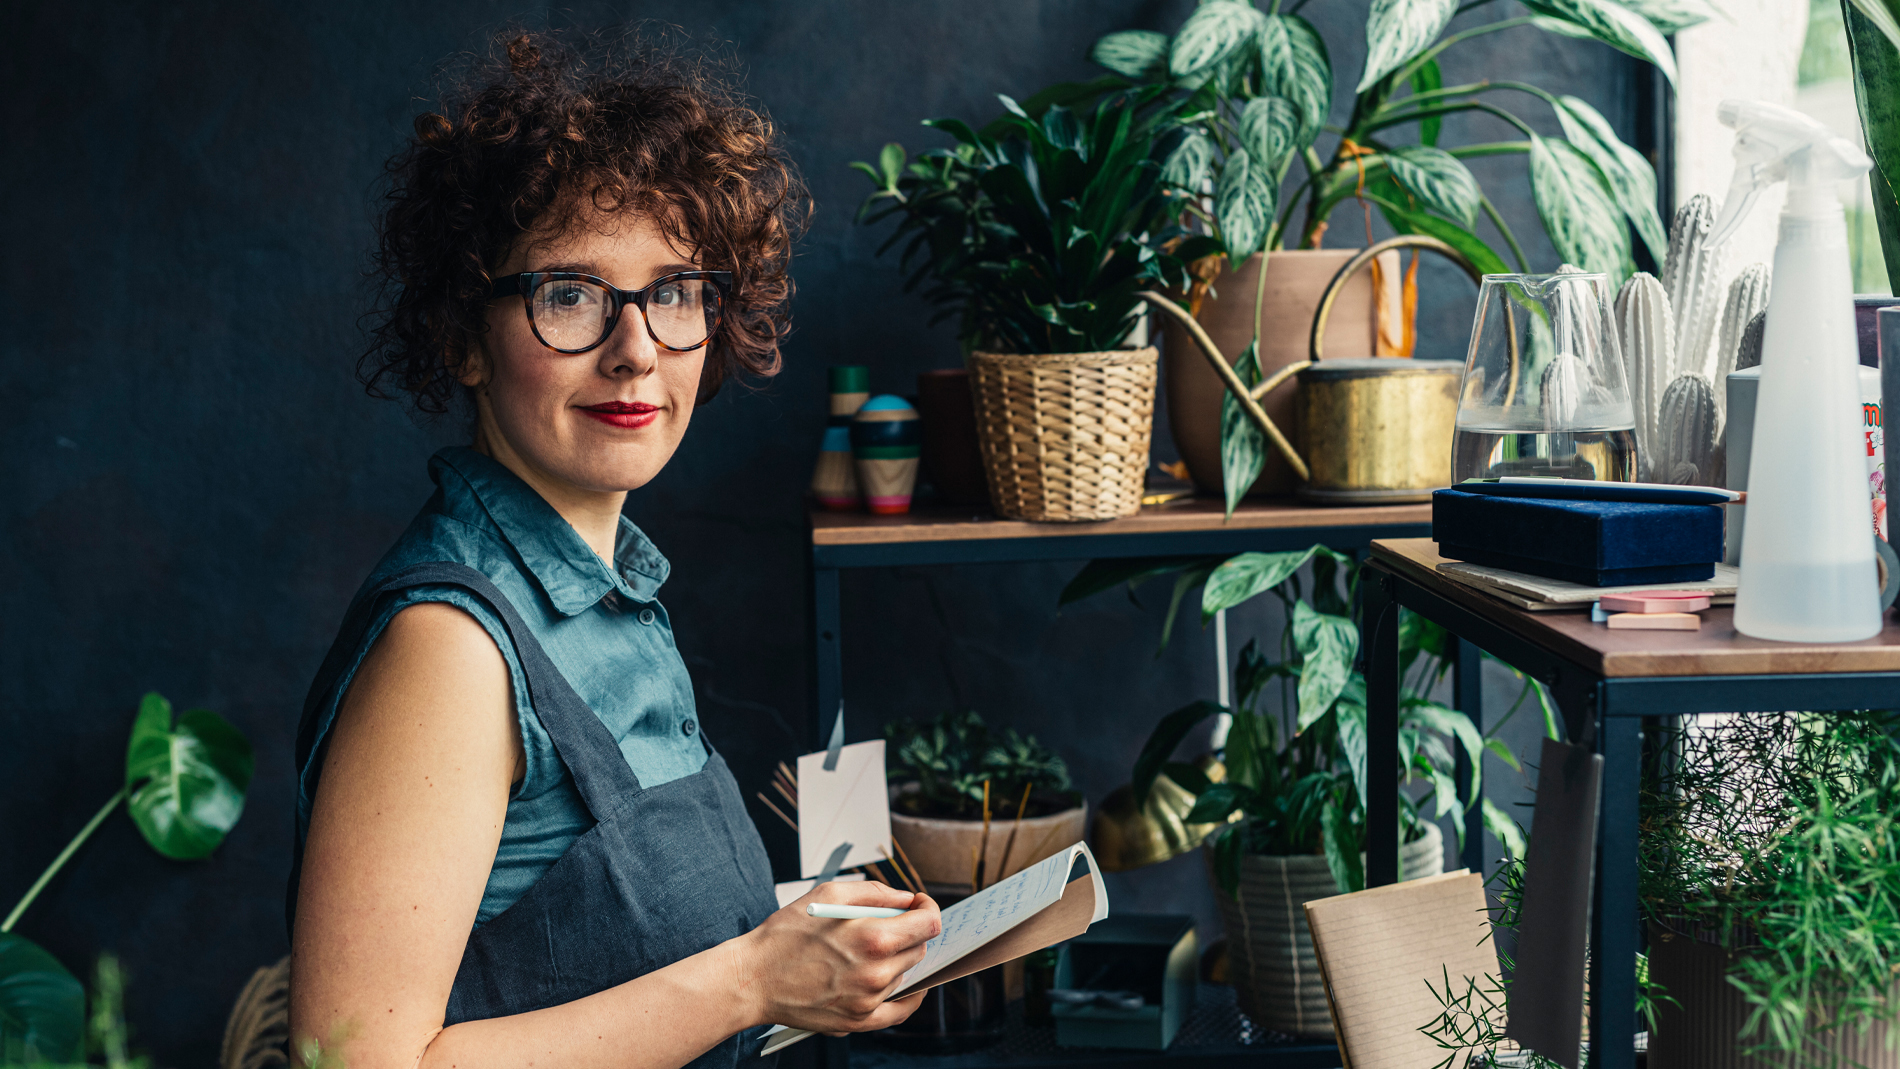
603, 627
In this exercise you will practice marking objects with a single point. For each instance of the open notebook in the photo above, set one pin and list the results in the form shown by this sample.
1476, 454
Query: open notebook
1053, 900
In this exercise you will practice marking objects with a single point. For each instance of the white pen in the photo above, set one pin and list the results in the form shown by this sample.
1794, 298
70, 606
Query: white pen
832, 911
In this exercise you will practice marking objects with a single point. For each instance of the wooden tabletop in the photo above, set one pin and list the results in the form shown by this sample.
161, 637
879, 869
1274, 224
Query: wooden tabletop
951, 523
1714, 650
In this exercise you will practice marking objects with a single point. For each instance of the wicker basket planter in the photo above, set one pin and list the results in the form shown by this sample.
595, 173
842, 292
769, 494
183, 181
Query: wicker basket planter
1065, 436
1270, 957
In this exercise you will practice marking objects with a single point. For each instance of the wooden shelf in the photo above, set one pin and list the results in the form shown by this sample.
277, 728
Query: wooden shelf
950, 523
1715, 650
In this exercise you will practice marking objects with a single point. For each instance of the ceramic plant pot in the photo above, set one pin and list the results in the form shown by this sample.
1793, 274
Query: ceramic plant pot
1296, 279
943, 850
1698, 1031
1270, 958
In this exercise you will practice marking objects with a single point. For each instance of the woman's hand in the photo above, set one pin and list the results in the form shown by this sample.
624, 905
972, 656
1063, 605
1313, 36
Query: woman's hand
830, 975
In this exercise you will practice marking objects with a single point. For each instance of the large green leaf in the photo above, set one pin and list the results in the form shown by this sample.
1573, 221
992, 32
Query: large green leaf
1875, 50
1437, 178
1270, 130
1212, 35
185, 782
1162, 742
1099, 575
1187, 167
1137, 54
1584, 223
1294, 66
1327, 643
1397, 30
1486, 260
1885, 17
1614, 25
1632, 180
1243, 206
1243, 445
1671, 16
1245, 575
42, 1006
1424, 80
1341, 842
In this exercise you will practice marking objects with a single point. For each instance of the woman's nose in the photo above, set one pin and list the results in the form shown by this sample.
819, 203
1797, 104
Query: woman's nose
630, 349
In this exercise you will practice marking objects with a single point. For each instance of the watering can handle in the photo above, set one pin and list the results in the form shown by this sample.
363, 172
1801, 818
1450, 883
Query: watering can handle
1250, 398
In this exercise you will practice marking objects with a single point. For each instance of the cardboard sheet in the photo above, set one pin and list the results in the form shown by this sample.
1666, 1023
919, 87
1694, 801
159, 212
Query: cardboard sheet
850, 804
1538, 594
1383, 951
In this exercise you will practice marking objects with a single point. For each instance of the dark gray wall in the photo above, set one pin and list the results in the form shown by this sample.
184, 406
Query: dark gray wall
196, 484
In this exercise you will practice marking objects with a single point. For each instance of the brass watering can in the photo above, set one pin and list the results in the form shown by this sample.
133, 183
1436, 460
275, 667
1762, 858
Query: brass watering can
1372, 430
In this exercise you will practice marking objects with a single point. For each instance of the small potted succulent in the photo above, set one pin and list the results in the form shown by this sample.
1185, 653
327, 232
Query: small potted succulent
1028, 232
963, 796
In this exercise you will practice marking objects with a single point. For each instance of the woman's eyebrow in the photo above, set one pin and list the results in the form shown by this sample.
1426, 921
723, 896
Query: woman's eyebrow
584, 268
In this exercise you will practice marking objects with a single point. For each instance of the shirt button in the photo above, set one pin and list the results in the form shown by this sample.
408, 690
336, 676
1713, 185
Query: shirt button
647, 617
688, 727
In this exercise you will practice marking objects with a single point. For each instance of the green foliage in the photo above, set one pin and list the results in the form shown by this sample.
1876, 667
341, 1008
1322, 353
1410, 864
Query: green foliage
1230, 60
952, 757
1873, 34
1778, 831
1296, 767
184, 789
1028, 229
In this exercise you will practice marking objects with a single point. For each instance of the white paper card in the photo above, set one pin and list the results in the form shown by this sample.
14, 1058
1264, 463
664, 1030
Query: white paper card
851, 805
793, 890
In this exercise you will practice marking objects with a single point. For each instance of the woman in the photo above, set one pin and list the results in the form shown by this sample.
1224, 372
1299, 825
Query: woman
515, 846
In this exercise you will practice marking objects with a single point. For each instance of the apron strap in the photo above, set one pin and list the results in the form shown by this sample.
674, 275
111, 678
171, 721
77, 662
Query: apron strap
585, 746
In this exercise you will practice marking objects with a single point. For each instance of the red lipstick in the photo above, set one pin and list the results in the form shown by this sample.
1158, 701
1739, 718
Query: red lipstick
627, 414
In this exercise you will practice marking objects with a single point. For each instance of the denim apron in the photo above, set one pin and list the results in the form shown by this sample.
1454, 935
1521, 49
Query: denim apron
665, 872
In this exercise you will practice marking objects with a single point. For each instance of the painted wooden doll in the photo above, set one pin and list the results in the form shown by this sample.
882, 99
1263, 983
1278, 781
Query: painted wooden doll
887, 439
834, 483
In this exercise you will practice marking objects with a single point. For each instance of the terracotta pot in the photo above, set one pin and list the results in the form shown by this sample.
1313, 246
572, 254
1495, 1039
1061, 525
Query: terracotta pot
1698, 1031
1296, 278
1270, 957
942, 850
952, 461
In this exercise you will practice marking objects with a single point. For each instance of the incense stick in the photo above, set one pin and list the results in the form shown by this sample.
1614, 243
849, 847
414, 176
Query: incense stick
781, 815
983, 857
789, 796
905, 858
1002, 867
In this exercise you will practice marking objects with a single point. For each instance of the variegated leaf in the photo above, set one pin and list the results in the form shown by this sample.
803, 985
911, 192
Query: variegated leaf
1669, 16
1243, 206
1632, 180
1270, 130
1437, 178
1614, 25
1397, 30
1884, 15
1137, 54
1211, 35
1187, 166
1294, 66
1584, 223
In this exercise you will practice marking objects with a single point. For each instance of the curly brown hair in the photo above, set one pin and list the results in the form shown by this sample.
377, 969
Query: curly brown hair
533, 134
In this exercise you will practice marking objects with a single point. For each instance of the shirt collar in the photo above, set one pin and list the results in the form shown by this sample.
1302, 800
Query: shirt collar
567, 569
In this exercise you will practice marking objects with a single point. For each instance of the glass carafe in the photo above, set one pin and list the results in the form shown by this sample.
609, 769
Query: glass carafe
1544, 392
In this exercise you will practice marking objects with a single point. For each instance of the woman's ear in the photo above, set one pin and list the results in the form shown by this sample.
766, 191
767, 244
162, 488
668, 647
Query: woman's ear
472, 369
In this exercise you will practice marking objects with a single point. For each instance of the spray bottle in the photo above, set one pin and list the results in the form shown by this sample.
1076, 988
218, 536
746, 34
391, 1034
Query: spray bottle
1808, 571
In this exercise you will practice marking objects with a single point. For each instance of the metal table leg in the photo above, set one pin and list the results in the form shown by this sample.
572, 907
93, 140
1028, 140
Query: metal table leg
827, 653
1467, 695
1614, 917
1380, 628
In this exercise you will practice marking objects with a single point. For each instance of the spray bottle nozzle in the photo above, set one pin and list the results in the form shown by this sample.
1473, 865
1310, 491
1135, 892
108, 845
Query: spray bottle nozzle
1774, 144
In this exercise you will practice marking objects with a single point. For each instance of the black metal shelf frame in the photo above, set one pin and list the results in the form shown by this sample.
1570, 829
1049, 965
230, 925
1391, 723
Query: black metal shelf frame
1606, 713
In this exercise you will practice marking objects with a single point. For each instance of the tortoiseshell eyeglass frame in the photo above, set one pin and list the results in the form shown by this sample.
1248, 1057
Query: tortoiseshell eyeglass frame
527, 282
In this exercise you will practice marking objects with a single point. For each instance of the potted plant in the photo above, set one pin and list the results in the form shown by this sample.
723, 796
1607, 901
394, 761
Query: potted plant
1027, 231
962, 794
1245, 95
1291, 806
1770, 869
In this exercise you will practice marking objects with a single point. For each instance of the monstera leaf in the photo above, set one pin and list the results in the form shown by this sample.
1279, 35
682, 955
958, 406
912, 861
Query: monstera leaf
42, 1006
185, 781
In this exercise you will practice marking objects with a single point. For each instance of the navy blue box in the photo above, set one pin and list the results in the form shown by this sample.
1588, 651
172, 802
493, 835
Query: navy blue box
1597, 543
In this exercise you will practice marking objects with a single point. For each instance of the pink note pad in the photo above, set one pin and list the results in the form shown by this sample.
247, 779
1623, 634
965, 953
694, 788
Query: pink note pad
1655, 621
1656, 601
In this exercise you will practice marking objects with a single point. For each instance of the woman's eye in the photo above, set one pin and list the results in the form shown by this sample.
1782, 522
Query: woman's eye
566, 296
671, 295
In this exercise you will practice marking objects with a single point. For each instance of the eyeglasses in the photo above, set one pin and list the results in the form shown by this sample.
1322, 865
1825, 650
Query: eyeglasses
573, 313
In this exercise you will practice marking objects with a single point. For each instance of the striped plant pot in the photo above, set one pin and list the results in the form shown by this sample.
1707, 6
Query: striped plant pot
1269, 948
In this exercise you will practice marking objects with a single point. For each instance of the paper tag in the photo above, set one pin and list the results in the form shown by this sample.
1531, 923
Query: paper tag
849, 804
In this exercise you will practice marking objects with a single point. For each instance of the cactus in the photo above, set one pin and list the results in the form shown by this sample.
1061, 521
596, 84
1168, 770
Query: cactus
1747, 297
1748, 353
1565, 388
1692, 278
1648, 330
1688, 433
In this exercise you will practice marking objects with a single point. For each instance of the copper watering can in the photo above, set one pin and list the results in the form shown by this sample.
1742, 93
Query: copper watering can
1372, 430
